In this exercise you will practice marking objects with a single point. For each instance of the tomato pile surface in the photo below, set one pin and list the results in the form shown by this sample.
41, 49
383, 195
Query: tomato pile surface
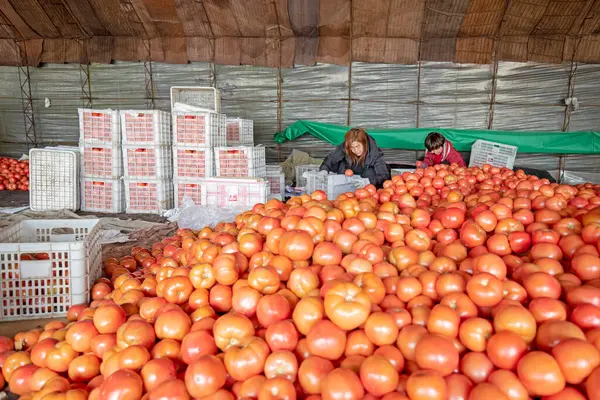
448, 283
14, 174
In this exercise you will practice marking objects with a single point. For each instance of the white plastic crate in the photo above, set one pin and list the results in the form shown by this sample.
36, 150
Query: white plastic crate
53, 179
240, 161
191, 188
99, 126
276, 182
240, 132
102, 160
102, 195
153, 162
234, 192
496, 154
400, 171
203, 129
193, 162
149, 196
146, 127
208, 98
46, 266
333, 184
300, 170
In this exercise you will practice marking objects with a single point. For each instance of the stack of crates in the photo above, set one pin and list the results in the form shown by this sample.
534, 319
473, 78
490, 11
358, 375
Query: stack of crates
276, 180
101, 161
147, 161
195, 135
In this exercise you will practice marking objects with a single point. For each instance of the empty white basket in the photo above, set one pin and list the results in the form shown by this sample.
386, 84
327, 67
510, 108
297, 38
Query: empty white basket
240, 161
53, 179
240, 132
148, 196
46, 266
208, 98
300, 170
201, 129
495, 154
146, 127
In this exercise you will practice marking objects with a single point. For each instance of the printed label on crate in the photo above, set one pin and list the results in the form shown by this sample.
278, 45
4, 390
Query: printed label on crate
232, 194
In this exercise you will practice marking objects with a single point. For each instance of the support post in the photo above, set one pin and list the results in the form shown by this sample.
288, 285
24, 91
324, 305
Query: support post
349, 116
26, 99
148, 78
86, 86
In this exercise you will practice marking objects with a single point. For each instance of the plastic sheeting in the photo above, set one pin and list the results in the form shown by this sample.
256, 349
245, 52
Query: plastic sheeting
528, 97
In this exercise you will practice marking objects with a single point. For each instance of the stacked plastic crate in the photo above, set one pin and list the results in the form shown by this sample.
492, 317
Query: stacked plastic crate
195, 134
147, 161
101, 161
276, 180
240, 167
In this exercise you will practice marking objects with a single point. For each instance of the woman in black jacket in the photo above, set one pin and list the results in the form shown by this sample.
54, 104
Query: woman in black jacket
359, 153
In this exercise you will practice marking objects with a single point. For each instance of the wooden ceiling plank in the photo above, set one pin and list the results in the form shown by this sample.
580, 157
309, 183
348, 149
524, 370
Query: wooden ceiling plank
165, 18
334, 18
112, 15
193, 18
15, 19
62, 18
35, 17
368, 18
84, 13
222, 21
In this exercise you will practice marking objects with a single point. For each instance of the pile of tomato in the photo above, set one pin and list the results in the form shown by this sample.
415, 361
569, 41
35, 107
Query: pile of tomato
447, 283
14, 174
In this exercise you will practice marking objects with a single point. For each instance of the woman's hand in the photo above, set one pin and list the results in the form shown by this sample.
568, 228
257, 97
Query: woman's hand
419, 164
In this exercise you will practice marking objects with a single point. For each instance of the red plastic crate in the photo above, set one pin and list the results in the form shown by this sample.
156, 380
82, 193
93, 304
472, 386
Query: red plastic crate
193, 162
147, 162
202, 129
191, 188
102, 161
99, 126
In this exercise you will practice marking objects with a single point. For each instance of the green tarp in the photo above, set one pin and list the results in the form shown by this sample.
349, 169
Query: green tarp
412, 139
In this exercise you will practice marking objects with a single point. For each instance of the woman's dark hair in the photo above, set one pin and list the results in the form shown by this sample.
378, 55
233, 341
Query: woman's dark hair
356, 135
434, 141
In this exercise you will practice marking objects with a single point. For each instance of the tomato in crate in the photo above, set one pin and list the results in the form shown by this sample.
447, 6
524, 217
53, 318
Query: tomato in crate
241, 161
202, 129
193, 162
99, 126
